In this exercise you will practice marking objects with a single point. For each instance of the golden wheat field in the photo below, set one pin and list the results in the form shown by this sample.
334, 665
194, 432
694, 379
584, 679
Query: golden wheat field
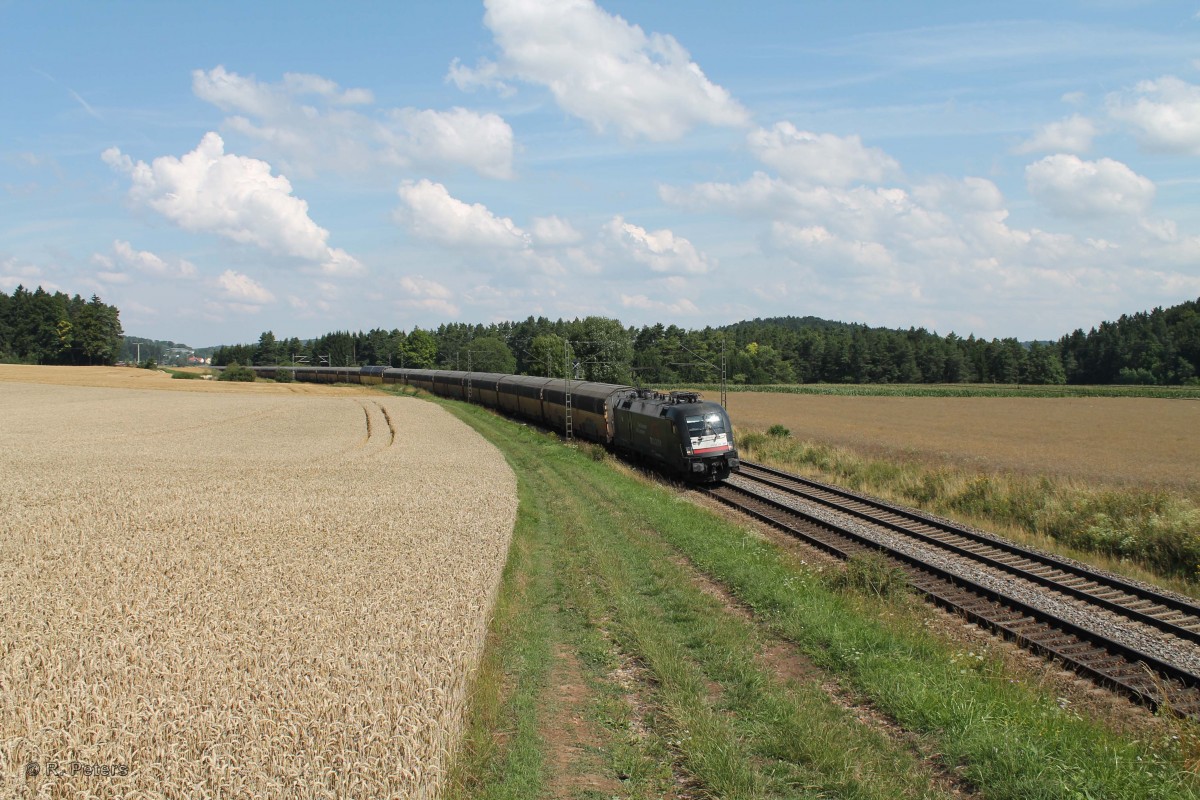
1111, 440
230, 594
133, 378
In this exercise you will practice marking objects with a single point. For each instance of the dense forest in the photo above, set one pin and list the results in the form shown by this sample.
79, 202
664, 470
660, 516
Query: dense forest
1155, 347
42, 328
1151, 347
1161, 346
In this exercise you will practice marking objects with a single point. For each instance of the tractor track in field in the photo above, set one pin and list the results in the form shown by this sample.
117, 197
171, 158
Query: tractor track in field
391, 426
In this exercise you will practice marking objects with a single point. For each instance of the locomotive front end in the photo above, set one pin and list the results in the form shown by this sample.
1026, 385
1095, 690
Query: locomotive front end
707, 440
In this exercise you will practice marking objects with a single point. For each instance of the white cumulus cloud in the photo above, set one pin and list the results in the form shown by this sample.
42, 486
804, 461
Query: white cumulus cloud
864, 213
1165, 114
232, 92
553, 231
144, 261
113, 277
423, 287
601, 69
457, 136
242, 289
421, 293
1071, 135
819, 158
312, 124
431, 212
1072, 187
940, 244
14, 274
816, 245
677, 307
661, 251
211, 191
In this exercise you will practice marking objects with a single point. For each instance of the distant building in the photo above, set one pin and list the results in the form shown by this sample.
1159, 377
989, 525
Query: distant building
177, 355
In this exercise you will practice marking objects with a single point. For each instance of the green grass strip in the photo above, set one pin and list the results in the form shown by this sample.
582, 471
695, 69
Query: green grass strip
800, 740
512, 679
711, 750
737, 729
1005, 739
815, 744
755, 738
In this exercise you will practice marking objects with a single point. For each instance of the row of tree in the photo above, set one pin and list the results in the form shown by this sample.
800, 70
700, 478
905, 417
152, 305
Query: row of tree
595, 348
1161, 346
42, 328
1153, 347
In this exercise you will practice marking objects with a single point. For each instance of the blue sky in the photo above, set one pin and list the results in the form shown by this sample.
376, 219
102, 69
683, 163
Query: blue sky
220, 169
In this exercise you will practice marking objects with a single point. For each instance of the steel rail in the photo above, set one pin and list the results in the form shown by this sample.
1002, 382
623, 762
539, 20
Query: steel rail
1144, 677
804, 488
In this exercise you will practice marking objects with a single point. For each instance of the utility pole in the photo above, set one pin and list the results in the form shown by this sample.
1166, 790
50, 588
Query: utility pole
568, 421
724, 386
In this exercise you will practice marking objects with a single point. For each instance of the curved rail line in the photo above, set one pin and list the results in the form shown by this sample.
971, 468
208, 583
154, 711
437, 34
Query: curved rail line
1147, 678
1164, 612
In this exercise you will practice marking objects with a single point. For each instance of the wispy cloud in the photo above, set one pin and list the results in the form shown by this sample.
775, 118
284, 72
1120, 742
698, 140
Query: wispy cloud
78, 98
987, 44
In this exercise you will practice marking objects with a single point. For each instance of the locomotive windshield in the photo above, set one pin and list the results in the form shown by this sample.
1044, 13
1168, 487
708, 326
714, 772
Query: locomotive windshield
708, 433
707, 425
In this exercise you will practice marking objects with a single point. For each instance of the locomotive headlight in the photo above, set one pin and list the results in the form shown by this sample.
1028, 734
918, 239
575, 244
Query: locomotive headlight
697, 466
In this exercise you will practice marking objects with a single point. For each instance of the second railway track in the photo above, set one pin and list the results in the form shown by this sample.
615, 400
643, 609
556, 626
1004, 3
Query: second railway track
1124, 635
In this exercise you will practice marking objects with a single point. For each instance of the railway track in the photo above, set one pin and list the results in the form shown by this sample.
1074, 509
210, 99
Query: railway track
1122, 635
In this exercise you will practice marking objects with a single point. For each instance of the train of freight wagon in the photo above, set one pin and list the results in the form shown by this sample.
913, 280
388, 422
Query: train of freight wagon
676, 432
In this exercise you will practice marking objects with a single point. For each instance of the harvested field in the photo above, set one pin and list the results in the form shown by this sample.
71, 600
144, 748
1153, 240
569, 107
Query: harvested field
239, 594
1110, 440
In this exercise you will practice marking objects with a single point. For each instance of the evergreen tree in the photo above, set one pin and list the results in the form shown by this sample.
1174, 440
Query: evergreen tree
267, 352
42, 328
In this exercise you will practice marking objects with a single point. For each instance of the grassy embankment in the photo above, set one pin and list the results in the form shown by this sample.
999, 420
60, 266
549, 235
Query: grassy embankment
1158, 529
683, 694
185, 375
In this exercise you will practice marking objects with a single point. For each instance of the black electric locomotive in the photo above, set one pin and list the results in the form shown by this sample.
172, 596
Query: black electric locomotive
679, 432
